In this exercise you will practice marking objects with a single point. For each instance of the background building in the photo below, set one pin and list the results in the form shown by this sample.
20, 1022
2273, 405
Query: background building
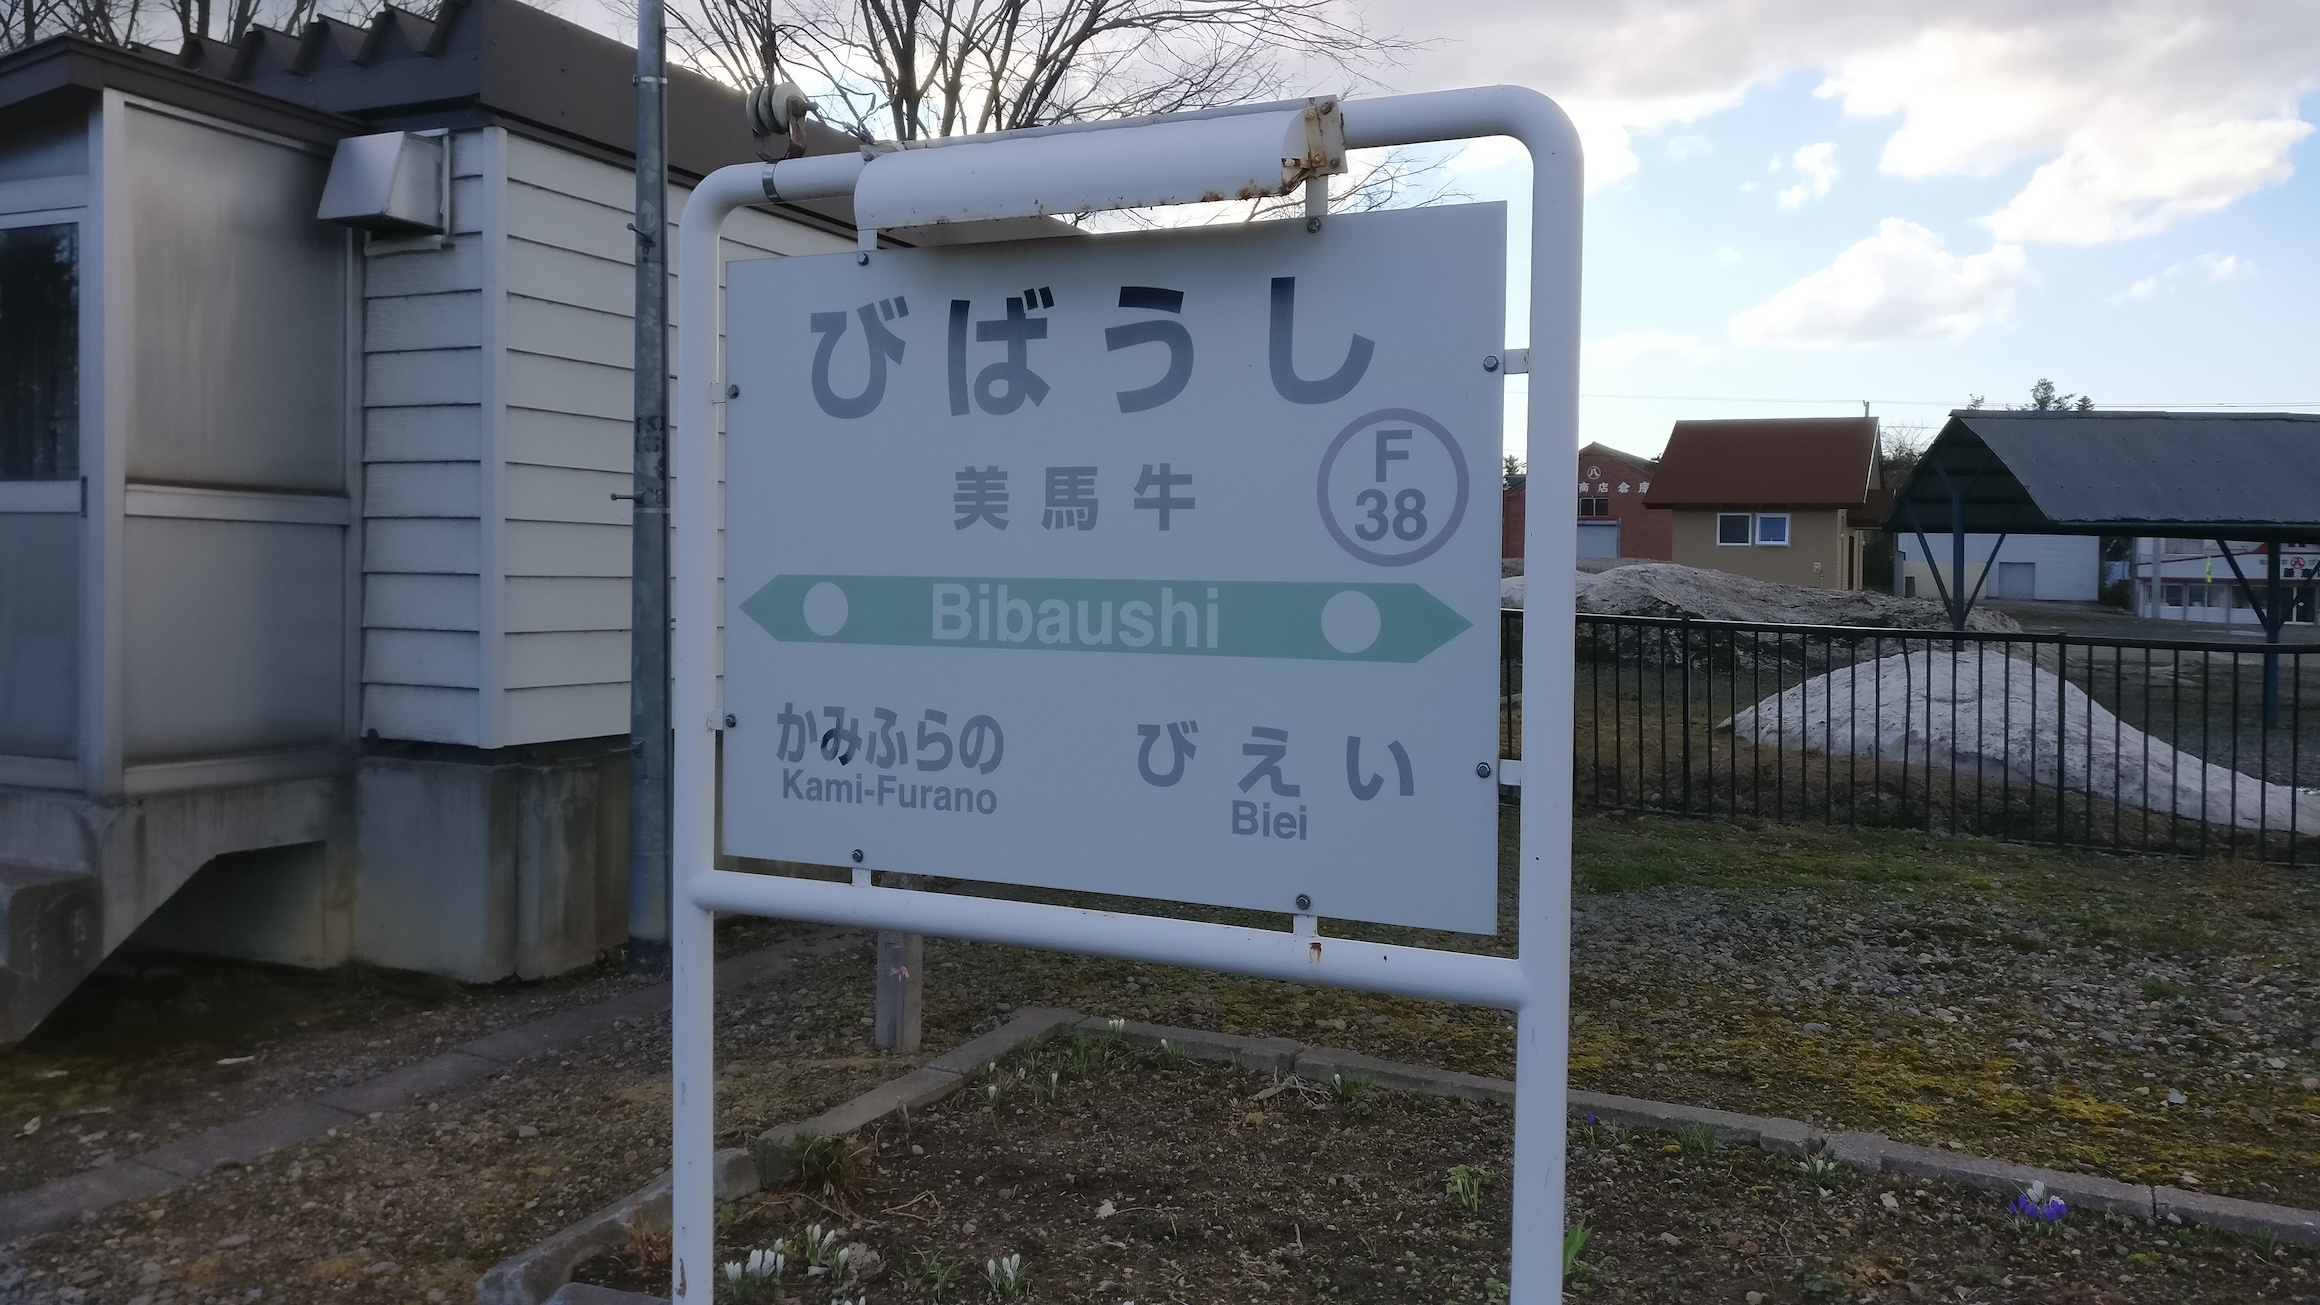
2028, 568
1789, 500
2192, 580
1612, 519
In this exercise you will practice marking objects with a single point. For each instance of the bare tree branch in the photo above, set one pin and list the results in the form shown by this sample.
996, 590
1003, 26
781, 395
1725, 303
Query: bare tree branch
914, 69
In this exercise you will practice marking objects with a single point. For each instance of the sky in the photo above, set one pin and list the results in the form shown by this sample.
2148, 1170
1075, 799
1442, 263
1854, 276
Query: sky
1793, 207
1797, 205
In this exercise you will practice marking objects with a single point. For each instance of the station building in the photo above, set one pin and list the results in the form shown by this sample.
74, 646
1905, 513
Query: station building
314, 585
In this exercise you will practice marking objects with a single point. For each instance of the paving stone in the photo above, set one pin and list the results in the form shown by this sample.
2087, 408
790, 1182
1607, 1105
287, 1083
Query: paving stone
550, 1032
2079, 1191
532, 1275
2248, 1218
1787, 1137
394, 1089
1029, 1025
1319, 1064
1274, 1055
1730, 1127
53, 1205
245, 1140
912, 1090
580, 1293
1861, 1151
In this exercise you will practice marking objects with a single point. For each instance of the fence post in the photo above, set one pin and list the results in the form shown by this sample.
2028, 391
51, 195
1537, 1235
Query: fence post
1684, 659
901, 982
2061, 741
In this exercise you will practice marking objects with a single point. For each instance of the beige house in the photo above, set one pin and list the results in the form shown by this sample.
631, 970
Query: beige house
1790, 500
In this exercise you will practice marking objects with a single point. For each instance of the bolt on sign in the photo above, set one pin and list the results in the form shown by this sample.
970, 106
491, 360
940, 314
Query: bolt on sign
1159, 564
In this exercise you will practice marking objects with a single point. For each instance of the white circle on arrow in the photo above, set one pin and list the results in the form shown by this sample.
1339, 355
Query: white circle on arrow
825, 609
1350, 621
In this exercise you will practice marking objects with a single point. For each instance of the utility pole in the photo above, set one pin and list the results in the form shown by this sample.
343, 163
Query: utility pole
648, 650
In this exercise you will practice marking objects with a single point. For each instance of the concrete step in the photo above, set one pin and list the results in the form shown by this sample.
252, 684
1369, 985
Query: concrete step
51, 937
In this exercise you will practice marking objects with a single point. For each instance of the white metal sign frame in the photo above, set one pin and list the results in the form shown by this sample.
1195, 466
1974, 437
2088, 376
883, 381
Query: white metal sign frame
1076, 168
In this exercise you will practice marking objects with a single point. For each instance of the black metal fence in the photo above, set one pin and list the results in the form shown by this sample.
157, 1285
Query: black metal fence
2180, 746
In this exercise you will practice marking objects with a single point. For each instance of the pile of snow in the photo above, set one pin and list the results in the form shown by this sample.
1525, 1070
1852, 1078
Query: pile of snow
1979, 710
1666, 589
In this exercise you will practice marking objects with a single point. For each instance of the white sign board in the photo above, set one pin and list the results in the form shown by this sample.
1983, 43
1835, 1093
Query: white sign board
1158, 564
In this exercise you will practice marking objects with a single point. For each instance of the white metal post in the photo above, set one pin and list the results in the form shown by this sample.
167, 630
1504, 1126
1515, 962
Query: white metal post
1536, 985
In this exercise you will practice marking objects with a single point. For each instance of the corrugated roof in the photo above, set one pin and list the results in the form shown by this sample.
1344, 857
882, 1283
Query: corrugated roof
1797, 461
2251, 476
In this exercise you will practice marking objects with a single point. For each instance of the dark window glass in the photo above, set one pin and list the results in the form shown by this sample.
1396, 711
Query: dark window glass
1594, 507
40, 353
1732, 528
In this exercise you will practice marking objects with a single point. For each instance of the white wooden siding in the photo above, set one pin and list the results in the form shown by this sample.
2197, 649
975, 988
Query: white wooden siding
565, 437
544, 548
426, 485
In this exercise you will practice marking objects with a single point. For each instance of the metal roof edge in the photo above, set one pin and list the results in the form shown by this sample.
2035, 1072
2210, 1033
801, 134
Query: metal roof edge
67, 63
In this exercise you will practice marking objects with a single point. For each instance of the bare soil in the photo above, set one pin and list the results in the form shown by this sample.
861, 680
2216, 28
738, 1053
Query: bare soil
1122, 1176
2010, 1001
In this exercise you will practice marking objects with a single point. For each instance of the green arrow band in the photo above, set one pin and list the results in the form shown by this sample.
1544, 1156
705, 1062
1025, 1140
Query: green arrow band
1203, 618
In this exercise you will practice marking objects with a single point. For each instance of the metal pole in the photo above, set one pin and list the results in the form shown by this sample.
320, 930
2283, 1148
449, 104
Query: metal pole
2275, 614
648, 607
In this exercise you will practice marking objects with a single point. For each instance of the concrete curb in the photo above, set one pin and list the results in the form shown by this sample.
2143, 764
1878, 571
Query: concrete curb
1867, 1152
59, 1202
542, 1272
580, 1293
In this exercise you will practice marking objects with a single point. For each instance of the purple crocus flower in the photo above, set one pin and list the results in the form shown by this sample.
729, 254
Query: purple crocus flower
2028, 1206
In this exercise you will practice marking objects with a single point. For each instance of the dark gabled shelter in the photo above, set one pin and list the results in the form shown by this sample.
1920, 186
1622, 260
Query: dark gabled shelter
2221, 476
2251, 476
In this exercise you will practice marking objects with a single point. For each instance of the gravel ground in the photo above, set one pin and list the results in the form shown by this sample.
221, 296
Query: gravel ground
154, 1047
2010, 1001
2154, 1021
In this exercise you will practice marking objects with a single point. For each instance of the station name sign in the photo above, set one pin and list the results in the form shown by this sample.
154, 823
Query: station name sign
1160, 564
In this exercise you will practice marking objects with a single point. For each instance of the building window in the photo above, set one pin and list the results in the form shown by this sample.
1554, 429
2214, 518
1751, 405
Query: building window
1592, 506
1732, 528
40, 353
2171, 595
1772, 529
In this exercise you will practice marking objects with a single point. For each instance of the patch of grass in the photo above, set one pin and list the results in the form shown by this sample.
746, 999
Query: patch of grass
929, 1272
1821, 1173
1464, 1188
829, 1168
2158, 989
1574, 1245
1696, 1139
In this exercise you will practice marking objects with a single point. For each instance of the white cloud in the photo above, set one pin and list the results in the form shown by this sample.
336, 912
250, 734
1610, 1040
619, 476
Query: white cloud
1900, 284
1817, 164
2136, 115
1649, 346
1727, 255
2224, 267
2206, 268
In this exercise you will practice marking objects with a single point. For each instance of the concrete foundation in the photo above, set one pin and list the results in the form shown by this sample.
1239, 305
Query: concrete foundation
477, 866
483, 867
80, 874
